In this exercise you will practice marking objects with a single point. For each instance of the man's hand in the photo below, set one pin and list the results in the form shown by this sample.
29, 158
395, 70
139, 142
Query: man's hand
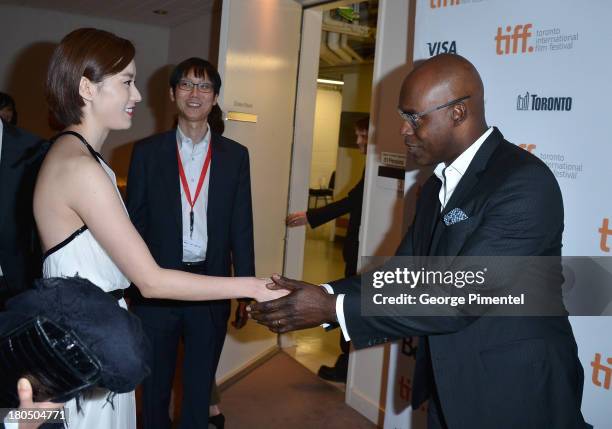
24, 391
296, 219
241, 316
306, 306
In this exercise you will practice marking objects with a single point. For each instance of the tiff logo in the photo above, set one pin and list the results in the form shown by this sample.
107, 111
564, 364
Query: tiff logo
434, 4
605, 231
602, 369
522, 102
528, 147
504, 41
405, 388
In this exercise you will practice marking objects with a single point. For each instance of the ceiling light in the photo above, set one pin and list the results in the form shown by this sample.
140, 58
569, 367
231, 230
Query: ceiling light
330, 82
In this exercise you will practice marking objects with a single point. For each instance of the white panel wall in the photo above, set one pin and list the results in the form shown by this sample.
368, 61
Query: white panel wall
258, 60
302, 144
196, 38
383, 217
28, 37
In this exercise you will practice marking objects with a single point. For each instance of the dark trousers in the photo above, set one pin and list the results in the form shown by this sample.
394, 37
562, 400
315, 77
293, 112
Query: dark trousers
202, 326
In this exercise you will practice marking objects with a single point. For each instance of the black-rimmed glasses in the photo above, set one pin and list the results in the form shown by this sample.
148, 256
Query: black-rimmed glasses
187, 85
413, 118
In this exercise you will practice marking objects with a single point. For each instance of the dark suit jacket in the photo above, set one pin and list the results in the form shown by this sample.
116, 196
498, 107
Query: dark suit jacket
21, 156
490, 372
352, 204
154, 204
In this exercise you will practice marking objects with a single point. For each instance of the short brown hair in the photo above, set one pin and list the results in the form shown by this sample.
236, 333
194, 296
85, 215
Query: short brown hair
363, 123
87, 52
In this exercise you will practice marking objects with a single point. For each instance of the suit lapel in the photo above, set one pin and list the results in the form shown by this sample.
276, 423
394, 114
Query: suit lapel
430, 215
467, 183
170, 176
216, 183
10, 142
4, 177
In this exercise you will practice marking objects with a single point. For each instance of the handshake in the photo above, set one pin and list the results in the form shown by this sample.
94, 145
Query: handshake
304, 306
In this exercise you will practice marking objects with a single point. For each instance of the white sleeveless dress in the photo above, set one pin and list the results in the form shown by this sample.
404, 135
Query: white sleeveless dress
80, 254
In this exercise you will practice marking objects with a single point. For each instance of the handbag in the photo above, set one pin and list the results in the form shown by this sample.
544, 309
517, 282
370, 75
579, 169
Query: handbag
55, 361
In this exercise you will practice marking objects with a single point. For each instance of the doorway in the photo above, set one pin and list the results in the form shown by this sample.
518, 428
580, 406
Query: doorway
345, 38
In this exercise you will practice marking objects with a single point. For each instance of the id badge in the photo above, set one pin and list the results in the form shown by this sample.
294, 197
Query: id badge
191, 247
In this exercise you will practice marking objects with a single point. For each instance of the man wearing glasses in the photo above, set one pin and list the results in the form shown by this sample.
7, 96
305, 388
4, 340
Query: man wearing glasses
487, 197
189, 196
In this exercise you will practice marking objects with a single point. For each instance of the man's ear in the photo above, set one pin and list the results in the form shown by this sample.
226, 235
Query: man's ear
459, 113
87, 89
172, 94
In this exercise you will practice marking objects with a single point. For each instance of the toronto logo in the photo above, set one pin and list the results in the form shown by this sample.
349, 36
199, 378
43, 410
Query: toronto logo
529, 101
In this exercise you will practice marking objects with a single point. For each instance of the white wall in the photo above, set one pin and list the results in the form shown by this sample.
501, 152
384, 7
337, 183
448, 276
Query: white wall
27, 41
326, 132
196, 38
302, 144
258, 60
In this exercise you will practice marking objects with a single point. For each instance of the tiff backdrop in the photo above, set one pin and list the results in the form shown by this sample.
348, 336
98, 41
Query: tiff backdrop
546, 70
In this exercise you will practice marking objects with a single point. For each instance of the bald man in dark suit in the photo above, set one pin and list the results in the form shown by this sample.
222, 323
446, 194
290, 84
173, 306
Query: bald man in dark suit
486, 198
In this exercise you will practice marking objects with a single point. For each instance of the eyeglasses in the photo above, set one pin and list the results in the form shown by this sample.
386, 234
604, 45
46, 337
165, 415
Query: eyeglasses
187, 85
414, 117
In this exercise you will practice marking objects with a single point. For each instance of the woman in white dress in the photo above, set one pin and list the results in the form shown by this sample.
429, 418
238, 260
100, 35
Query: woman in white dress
83, 224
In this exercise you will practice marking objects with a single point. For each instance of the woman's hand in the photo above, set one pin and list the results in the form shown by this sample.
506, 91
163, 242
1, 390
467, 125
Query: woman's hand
26, 401
262, 293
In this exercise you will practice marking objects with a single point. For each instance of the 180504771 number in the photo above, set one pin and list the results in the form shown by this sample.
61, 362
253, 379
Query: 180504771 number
34, 415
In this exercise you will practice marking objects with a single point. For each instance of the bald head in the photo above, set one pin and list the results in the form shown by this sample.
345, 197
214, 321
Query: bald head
443, 78
436, 82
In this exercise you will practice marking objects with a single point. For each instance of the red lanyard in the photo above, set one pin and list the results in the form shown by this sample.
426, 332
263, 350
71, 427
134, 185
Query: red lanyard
200, 182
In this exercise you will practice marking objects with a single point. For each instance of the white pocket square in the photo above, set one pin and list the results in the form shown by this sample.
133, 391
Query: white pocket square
454, 216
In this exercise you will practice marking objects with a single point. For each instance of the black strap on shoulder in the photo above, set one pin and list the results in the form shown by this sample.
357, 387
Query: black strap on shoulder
93, 152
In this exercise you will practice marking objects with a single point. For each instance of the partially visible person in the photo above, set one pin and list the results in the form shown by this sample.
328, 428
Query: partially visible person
351, 204
26, 402
189, 195
20, 158
8, 109
83, 225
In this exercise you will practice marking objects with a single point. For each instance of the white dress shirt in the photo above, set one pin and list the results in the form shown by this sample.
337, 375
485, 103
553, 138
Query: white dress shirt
193, 156
450, 177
